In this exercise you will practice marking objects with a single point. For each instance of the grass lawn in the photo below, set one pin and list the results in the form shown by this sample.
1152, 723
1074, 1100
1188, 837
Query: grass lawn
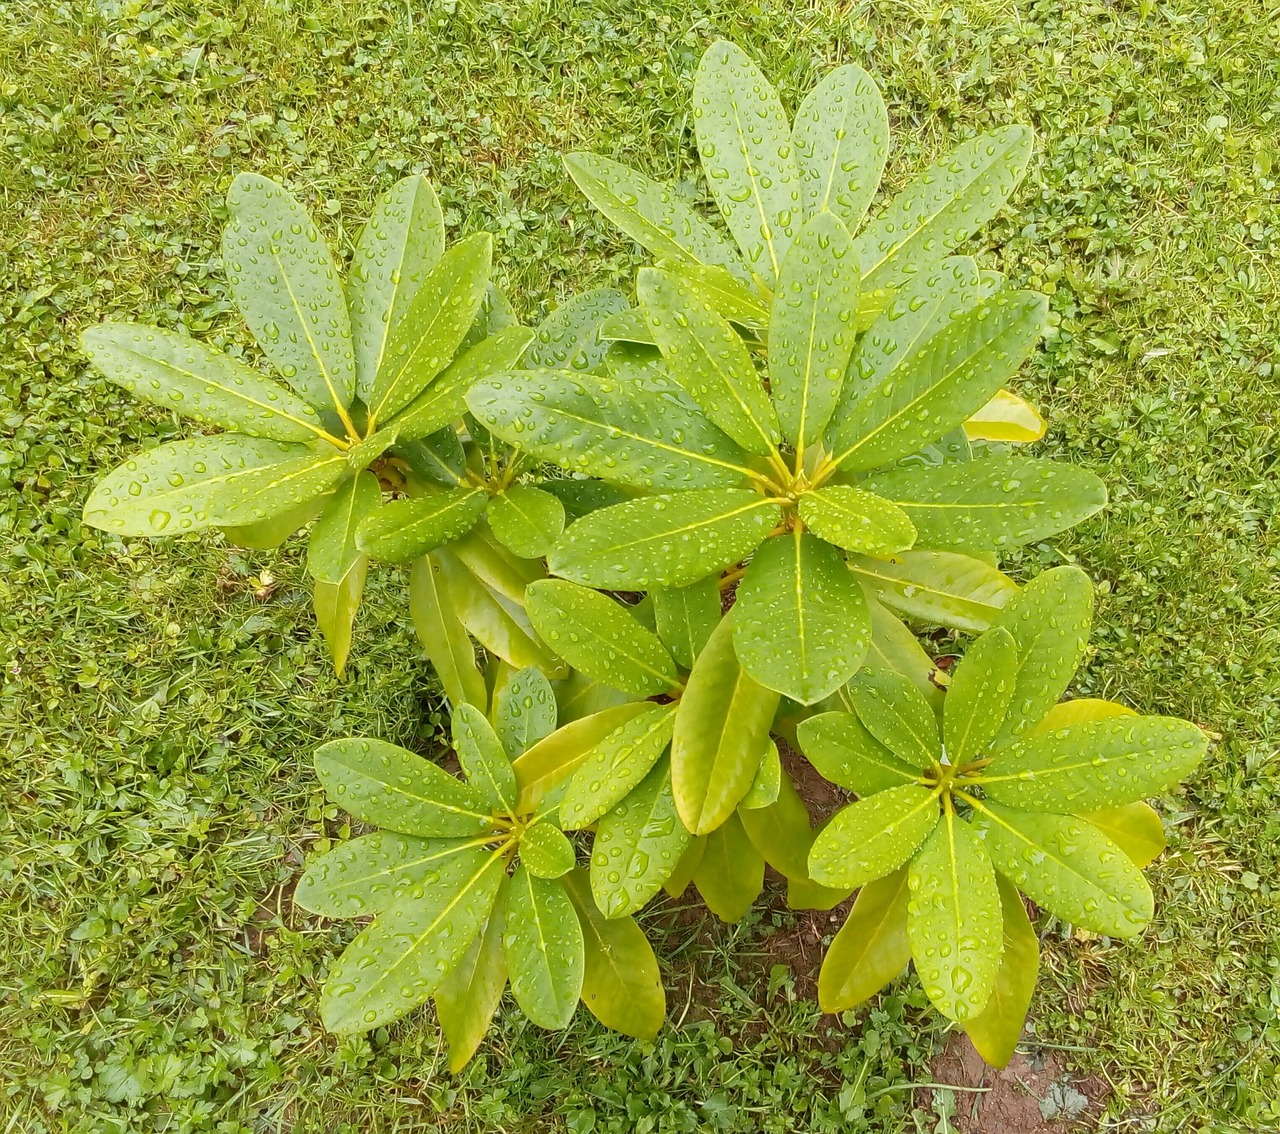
160, 701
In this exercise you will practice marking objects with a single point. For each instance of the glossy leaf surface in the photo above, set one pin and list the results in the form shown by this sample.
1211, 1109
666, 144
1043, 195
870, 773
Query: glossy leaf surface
812, 328
979, 695
174, 487
730, 874
271, 489
841, 140
469, 997
401, 530
871, 947
953, 919
421, 344
1095, 764
895, 713
857, 520
800, 622
443, 637
395, 252
615, 766
873, 837
392, 788
945, 205
545, 851
638, 845
407, 954
568, 338
996, 502
544, 949
524, 710
650, 213
839, 746
721, 732
938, 587
527, 520
744, 141
664, 541
182, 374
995, 1030
685, 617
707, 358
622, 432
1069, 868
600, 637
286, 286
621, 985
483, 759
332, 552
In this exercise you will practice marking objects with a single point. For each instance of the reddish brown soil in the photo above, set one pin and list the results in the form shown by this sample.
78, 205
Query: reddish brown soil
1033, 1095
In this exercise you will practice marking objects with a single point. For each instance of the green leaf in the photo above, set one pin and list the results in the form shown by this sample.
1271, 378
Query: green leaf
616, 765
444, 401
524, 710
397, 249
767, 784
625, 327
270, 533
484, 761
497, 623
871, 947
895, 713
908, 318
271, 489
438, 458
997, 502
568, 338
1095, 764
638, 845
996, 1029
173, 488
503, 573
953, 919
1134, 827
686, 866
856, 520
664, 541
620, 431
579, 696
744, 141
782, 833
469, 997
894, 646
938, 587
841, 140
582, 496
953, 374
944, 206
372, 873
544, 949
686, 616
286, 286
721, 733
812, 328
600, 637
621, 985
707, 358
361, 456
407, 954
182, 374
1078, 711
839, 746
1068, 867
978, 696
427, 336
332, 553
392, 788
401, 530
443, 637
545, 851
651, 214
336, 606
527, 520
873, 837
546, 766
730, 873
724, 290
1049, 619
800, 621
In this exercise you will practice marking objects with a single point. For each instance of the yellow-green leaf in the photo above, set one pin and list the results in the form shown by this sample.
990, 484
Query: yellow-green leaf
871, 947
857, 520
996, 1029
730, 873
721, 732
873, 837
